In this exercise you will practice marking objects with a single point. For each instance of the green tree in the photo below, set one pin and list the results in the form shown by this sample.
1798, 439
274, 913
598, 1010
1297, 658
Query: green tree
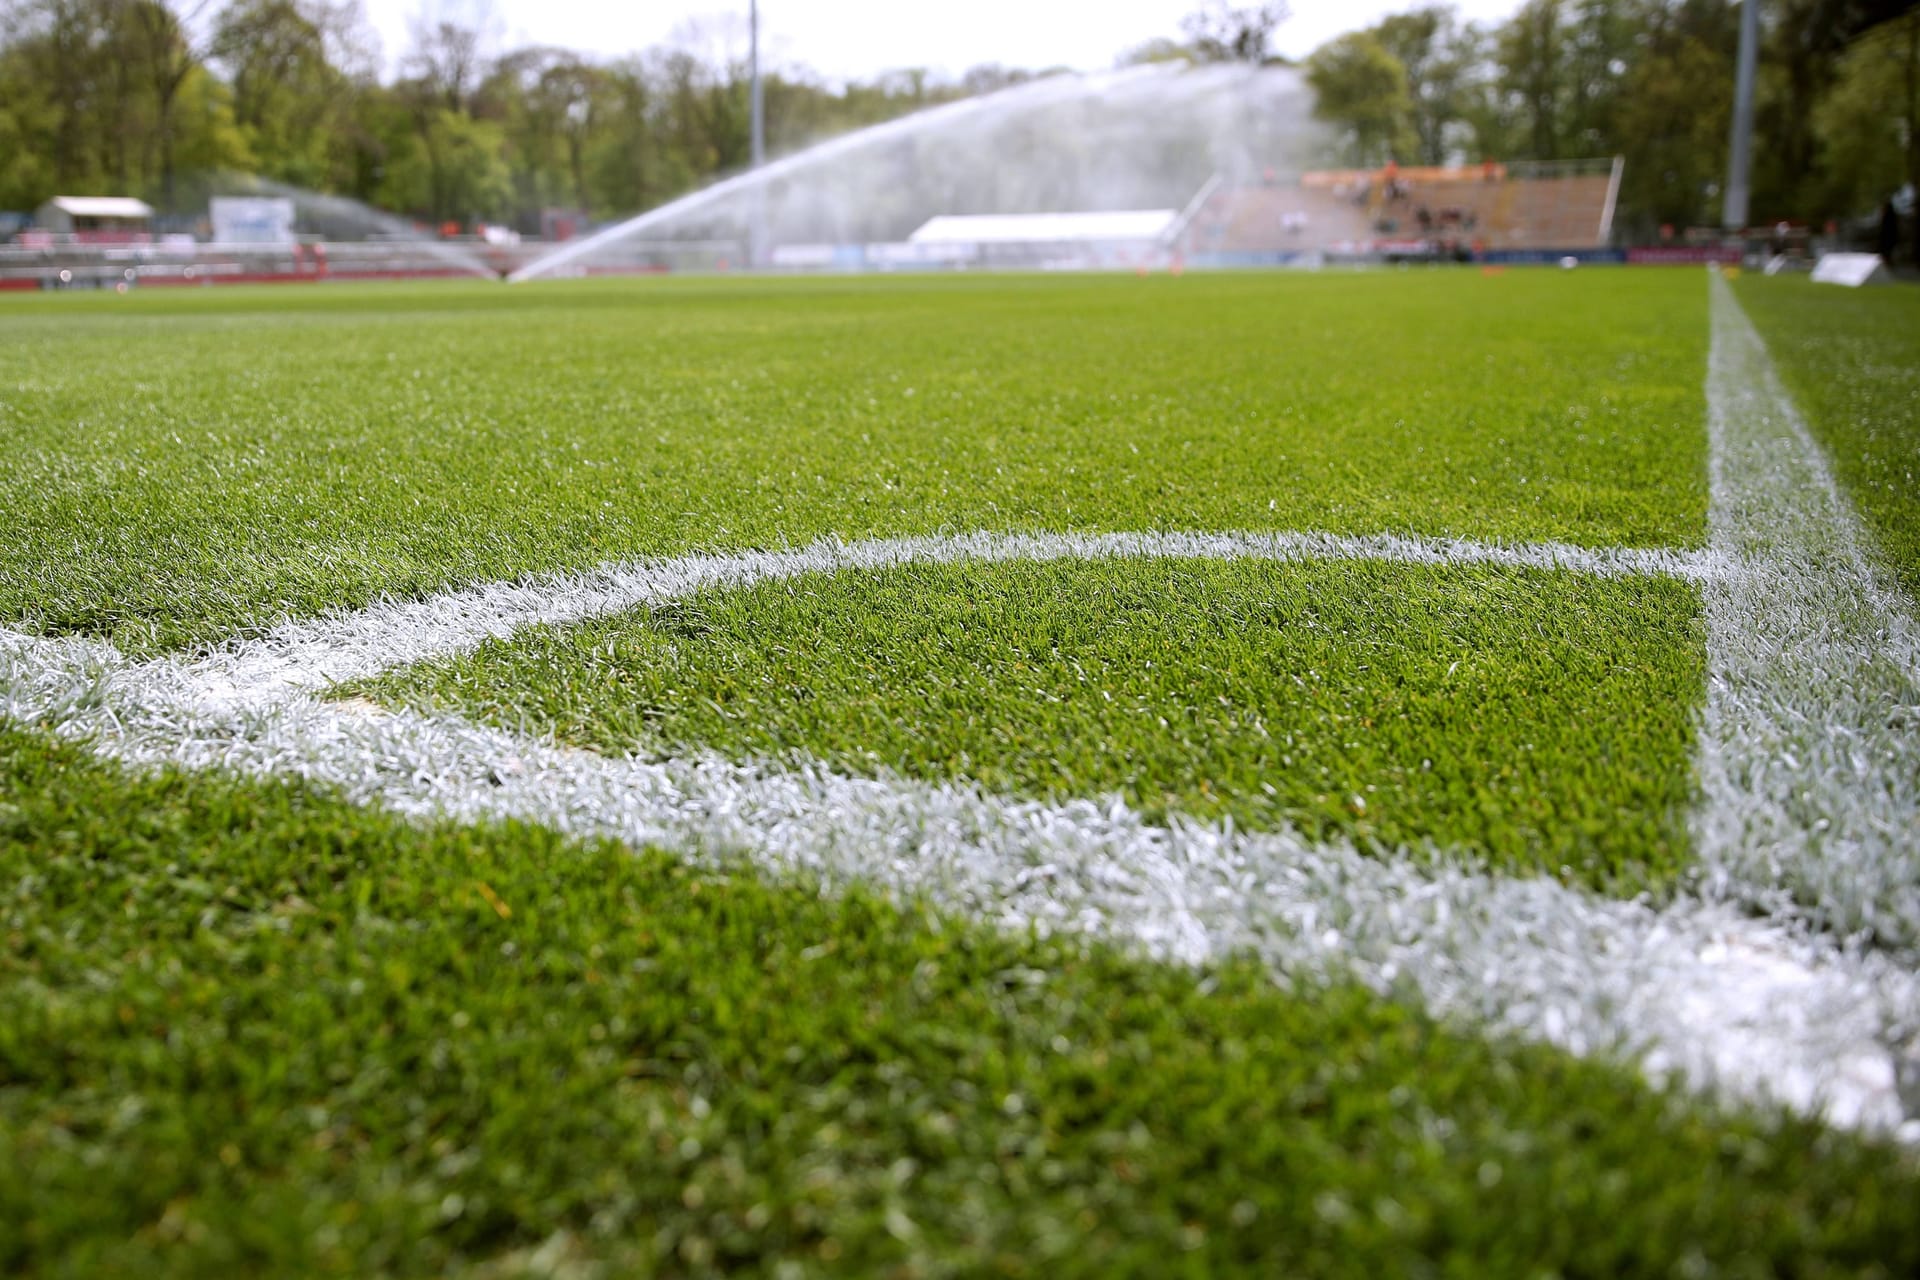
1221, 31
456, 169
105, 96
448, 58
1800, 56
63, 85
548, 103
150, 41
386, 159
1674, 114
292, 103
1361, 90
1601, 43
28, 123
1869, 124
207, 139
470, 179
1562, 70
627, 167
1530, 57
1438, 56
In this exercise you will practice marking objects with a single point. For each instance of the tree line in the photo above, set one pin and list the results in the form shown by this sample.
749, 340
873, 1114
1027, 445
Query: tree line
155, 99
1837, 116
151, 97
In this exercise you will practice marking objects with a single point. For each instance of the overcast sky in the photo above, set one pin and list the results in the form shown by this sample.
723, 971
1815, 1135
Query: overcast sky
856, 38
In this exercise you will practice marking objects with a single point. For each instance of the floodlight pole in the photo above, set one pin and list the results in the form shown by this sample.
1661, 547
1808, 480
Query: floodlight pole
753, 71
1739, 161
757, 232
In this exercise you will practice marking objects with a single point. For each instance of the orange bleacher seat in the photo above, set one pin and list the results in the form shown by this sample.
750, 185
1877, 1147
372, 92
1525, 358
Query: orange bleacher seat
1507, 213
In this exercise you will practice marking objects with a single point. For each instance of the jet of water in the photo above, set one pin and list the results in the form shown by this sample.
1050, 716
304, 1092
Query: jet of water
1140, 137
342, 218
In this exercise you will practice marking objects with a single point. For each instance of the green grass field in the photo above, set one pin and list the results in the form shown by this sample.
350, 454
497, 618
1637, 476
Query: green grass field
250, 1027
182, 467
252, 1030
1535, 719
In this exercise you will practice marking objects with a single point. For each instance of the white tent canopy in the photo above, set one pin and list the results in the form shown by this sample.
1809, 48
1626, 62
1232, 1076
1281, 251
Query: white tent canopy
101, 206
1851, 269
1047, 228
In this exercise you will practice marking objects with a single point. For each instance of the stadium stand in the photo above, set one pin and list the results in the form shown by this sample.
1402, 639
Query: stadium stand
1409, 212
1571, 211
1272, 219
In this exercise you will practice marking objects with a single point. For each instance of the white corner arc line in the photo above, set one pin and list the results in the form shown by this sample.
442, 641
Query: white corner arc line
314, 654
1695, 990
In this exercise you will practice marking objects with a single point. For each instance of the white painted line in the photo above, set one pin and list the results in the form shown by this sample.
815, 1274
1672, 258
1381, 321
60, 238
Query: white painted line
1696, 990
1810, 742
311, 655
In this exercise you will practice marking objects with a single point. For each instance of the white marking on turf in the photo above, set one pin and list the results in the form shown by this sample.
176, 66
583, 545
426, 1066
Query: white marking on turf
1810, 743
309, 655
1695, 989
1764, 1007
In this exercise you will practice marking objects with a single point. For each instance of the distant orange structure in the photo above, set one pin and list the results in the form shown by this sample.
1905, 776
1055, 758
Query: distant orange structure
1487, 171
1414, 211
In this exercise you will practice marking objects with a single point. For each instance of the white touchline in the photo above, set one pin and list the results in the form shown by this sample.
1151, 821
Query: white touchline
1765, 1007
1810, 743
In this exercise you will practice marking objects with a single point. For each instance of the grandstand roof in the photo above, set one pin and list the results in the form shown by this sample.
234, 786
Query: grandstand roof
1046, 228
102, 206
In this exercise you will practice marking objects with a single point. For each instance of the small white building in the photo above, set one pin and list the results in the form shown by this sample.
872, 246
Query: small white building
251, 219
104, 217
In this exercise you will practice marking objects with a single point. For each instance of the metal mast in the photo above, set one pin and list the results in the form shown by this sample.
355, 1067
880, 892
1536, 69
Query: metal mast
753, 70
757, 230
1734, 215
